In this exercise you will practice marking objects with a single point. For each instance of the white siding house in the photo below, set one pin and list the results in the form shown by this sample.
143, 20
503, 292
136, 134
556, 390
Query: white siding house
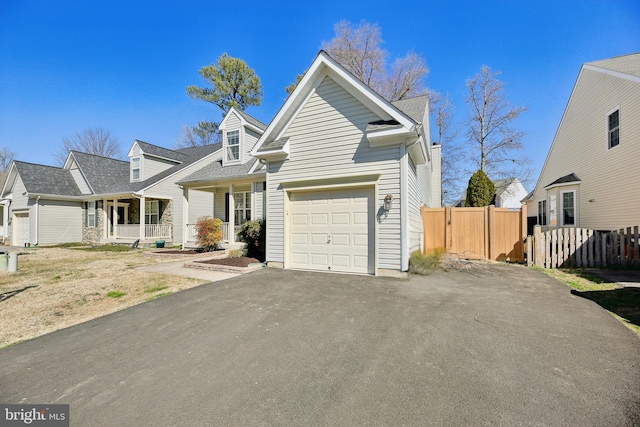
334, 153
590, 176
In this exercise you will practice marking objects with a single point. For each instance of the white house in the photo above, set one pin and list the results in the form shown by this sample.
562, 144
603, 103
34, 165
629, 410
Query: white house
591, 174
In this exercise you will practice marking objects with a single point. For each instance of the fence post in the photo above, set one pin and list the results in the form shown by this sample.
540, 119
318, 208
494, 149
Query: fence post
538, 246
523, 228
491, 234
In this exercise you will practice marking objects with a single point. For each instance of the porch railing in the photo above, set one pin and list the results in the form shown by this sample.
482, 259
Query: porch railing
192, 233
151, 231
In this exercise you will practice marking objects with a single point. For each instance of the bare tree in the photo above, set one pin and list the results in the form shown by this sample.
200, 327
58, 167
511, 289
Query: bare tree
204, 133
442, 109
359, 50
96, 141
490, 127
6, 157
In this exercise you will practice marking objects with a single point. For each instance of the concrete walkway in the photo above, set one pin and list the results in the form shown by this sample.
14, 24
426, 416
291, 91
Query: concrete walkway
177, 268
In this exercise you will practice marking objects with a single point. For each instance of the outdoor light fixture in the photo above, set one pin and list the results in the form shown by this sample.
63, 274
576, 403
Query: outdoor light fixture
387, 202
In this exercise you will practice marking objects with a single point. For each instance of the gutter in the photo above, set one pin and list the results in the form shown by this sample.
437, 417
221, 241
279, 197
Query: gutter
37, 219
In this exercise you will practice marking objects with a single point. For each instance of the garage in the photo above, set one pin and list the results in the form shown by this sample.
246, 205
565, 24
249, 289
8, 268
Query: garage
20, 228
333, 230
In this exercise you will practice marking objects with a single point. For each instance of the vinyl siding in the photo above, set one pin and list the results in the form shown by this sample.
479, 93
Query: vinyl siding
608, 176
152, 166
59, 222
250, 139
258, 199
200, 204
327, 140
80, 181
19, 200
415, 193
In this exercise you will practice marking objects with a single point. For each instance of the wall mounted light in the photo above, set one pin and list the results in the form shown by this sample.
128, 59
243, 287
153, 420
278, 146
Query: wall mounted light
387, 202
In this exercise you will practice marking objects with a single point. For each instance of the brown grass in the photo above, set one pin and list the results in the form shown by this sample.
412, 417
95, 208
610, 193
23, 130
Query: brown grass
70, 286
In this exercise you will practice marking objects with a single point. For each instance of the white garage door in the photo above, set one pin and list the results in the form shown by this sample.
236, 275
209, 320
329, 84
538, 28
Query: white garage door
333, 230
20, 229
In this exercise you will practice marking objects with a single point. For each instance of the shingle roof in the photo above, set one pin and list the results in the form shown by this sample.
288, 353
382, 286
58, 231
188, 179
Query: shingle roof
252, 120
572, 177
273, 145
413, 107
502, 185
103, 173
215, 171
155, 150
41, 179
627, 64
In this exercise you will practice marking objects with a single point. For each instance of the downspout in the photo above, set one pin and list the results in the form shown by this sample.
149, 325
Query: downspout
404, 210
37, 219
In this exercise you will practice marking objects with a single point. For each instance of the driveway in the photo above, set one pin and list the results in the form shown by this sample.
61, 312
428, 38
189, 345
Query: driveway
495, 345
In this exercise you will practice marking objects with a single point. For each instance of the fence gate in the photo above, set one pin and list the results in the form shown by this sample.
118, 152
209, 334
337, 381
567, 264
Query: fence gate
476, 233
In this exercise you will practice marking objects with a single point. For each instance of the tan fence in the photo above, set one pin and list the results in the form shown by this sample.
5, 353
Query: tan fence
579, 247
476, 233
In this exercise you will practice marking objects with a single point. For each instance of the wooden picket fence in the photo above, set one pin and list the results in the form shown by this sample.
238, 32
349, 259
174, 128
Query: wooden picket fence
580, 247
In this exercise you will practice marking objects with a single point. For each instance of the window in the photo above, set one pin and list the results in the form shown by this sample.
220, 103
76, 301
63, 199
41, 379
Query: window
542, 212
151, 212
91, 214
242, 207
135, 168
233, 145
569, 208
614, 129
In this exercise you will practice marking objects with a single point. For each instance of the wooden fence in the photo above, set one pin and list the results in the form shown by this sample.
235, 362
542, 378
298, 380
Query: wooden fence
579, 247
476, 233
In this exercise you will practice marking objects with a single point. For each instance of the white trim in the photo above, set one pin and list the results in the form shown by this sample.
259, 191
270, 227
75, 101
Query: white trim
562, 184
613, 73
608, 131
575, 208
139, 168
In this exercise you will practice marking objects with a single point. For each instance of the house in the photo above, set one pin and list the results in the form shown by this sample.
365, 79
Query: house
590, 176
340, 175
98, 199
509, 193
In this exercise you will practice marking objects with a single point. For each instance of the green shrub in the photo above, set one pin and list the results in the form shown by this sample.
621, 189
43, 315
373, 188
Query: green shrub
236, 253
424, 264
253, 233
481, 190
209, 233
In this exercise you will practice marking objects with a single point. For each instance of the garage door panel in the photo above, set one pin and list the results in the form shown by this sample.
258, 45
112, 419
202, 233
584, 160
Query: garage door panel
339, 226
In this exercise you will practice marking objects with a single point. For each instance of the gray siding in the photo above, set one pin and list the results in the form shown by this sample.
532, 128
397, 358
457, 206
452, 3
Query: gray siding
327, 140
200, 204
250, 139
415, 203
608, 176
79, 179
233, 123
59, 222
152, 166
19, 200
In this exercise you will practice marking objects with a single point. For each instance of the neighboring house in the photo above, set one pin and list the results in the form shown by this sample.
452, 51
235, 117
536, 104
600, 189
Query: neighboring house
98, 199
509, 193
590, 177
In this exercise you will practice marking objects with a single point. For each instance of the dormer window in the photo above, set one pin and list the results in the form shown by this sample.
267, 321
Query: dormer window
233, 145
135, 168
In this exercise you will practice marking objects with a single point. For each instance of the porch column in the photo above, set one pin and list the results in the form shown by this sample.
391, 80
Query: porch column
185, 217
143, 206
105, 219
114, 218
231, 214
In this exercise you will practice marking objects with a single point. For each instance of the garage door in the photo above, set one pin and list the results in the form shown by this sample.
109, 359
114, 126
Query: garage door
20, 229
333, 230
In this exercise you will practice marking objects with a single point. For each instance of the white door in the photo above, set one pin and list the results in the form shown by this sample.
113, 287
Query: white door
20, 229
332, 230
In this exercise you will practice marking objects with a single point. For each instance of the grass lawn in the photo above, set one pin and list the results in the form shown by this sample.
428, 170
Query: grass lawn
622, 303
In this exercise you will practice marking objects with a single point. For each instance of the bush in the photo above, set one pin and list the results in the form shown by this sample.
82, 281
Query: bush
253, 233
481, 190
209, 233
424, 264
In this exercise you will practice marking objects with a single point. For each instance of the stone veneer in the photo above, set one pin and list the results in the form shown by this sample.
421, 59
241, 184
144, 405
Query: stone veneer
93, 234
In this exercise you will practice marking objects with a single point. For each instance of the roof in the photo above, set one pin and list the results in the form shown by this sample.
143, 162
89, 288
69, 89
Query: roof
215, 171
626, 64
572, 177
503, 184
273, 145
413, 107
103, 173
42, 179
157, 151
252, 120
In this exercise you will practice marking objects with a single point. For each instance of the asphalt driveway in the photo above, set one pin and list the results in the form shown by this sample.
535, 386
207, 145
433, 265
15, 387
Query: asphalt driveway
501, 345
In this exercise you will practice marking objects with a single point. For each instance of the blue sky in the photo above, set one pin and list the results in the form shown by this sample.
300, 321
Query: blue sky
123, 65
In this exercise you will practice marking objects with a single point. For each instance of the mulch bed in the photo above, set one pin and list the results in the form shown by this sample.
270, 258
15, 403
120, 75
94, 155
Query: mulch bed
235, 262
188, 252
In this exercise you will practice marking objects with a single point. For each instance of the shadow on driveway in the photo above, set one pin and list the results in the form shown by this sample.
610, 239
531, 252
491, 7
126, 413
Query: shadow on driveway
625, 302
